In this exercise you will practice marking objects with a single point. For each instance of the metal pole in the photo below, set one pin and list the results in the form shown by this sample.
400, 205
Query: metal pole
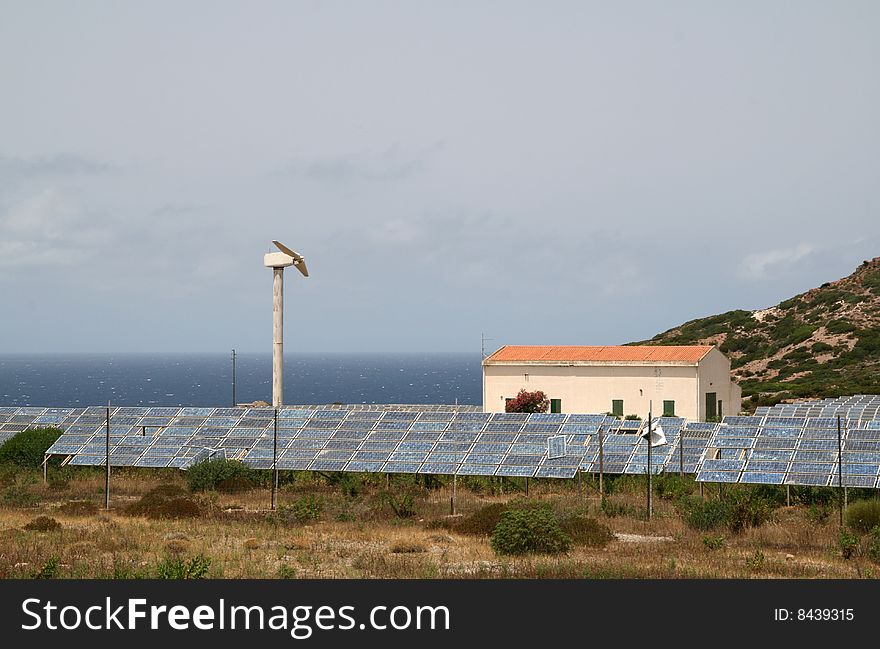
788, 495
527, 486
649, 460
233, 379
107, 463
454, 493
45, 468
275, 463
681, 453
278, 337
840, 468
601, 467
580, 483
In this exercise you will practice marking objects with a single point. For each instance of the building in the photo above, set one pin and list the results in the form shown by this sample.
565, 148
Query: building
686, 381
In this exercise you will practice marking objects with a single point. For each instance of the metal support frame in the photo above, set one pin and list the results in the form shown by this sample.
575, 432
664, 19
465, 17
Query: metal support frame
107, 467
275, 463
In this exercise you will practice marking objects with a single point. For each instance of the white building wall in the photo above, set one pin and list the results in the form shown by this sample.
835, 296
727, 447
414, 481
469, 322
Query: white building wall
592, 388
585, 388
715, 377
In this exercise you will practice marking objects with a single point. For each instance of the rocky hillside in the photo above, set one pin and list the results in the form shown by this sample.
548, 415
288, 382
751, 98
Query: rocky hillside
825, 342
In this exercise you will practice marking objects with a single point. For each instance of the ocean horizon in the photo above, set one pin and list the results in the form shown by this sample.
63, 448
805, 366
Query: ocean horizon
205, 379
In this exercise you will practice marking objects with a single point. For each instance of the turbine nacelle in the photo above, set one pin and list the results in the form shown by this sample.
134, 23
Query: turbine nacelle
285, 258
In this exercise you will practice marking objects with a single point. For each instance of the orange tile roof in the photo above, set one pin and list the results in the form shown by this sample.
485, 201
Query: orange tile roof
629, 353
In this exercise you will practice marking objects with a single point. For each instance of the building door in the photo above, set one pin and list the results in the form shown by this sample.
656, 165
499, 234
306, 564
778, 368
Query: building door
555, 405
711, 405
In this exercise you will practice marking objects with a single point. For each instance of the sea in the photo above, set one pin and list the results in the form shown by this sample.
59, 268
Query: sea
73, 380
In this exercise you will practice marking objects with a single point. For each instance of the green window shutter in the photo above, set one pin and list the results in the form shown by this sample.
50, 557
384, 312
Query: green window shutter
555, 405
669, 408
617, 407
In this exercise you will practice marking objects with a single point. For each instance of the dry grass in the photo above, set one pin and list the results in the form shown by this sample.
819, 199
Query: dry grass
360, 536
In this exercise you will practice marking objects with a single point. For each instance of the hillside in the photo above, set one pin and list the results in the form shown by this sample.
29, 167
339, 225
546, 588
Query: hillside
825, 342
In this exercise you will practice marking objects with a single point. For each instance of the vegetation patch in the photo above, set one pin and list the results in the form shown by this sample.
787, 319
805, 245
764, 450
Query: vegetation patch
230, 475
43, 524
531, 530
28, 448
585, 531
165, 501
175, 567
863, 515
407, 547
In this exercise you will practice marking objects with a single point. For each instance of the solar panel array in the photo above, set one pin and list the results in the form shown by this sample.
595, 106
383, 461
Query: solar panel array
770, 449
859, 407
444, 440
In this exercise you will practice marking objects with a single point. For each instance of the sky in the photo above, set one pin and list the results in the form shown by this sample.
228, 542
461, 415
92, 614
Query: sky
541, 173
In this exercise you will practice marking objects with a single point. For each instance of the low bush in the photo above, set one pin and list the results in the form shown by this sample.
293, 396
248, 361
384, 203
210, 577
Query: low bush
670, 486
179, 568
713, 542
403, 506
407, 547
736, 511
585, 531
481, 522
48, 570
165, 501
302, 510
863, 515
43, 524
874, 545
213, 474
848, 544
529, 531
28, 448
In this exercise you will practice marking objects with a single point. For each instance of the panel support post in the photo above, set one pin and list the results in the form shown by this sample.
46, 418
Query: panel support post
840, 488
601, 467
107, 463
454, 494
650, 422
788, 495
527, 486
45, 469
681, 453
275, 463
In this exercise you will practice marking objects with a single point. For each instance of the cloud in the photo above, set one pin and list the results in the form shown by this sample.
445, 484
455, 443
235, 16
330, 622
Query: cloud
389, 165
58, 165
46, 228
761, 265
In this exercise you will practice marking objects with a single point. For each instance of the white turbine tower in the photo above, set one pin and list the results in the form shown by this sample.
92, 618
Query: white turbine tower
278, 261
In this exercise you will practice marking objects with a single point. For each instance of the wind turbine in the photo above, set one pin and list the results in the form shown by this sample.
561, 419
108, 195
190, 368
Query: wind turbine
278, 261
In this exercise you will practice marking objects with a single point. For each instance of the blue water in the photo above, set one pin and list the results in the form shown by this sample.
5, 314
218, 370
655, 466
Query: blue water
70, 380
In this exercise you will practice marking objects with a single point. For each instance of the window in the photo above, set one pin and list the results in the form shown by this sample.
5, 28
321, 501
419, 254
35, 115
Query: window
617, 407
669, 408
711, 405
555, 405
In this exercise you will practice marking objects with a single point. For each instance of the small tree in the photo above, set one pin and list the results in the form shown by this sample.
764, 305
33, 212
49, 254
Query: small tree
528, 402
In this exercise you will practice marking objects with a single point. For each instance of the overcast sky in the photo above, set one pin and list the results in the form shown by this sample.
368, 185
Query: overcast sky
543, 172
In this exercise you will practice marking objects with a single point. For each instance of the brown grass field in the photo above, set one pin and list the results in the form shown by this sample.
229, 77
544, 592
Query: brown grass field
360, 535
